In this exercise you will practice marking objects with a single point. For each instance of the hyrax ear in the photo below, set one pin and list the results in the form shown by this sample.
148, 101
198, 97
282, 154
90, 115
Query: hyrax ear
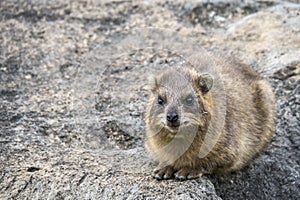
205, 82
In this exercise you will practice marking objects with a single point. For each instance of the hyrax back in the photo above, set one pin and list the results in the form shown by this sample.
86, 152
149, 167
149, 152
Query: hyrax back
207, 119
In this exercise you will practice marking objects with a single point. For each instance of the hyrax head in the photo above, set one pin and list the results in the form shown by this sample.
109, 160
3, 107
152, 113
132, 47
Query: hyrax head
178, 99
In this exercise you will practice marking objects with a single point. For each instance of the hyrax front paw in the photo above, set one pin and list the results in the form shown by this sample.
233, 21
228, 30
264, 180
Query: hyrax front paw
187, 174
163, 173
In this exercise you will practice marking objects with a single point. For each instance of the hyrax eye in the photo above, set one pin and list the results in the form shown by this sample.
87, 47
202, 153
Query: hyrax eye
189, 100
160, 100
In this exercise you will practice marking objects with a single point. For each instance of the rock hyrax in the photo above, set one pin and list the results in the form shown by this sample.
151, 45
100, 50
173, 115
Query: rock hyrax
210, 118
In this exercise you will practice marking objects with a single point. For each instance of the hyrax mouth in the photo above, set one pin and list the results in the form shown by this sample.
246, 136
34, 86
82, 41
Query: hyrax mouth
173, 125
173, 128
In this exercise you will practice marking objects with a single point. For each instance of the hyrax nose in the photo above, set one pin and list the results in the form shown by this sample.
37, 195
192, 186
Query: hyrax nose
172, 117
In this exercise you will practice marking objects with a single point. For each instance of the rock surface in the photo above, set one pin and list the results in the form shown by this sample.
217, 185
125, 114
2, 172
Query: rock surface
73, 88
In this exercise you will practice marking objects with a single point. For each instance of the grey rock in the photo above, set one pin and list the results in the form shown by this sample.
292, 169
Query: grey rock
47, 173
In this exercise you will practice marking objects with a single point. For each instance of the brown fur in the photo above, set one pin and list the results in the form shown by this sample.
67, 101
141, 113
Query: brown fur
235, 118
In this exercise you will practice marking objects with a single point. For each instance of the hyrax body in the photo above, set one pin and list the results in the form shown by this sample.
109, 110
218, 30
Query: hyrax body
210, 118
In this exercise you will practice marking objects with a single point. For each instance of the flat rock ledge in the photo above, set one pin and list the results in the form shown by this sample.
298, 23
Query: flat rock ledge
47, 173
